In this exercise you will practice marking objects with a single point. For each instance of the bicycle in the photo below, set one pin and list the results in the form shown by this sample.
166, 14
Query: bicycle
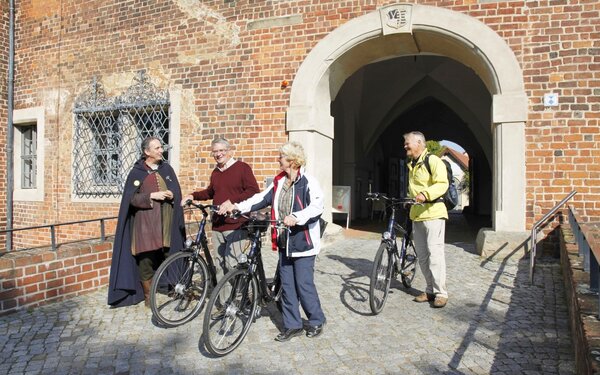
181, 283
391, 261
239, 293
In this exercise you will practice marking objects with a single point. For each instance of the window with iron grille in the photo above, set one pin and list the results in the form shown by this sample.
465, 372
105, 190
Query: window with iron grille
28, 134
109, 131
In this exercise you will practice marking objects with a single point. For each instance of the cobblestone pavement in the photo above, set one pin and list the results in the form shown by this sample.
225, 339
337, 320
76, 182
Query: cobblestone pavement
495, 323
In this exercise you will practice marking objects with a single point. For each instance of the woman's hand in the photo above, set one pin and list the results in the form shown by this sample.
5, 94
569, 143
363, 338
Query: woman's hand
290, 220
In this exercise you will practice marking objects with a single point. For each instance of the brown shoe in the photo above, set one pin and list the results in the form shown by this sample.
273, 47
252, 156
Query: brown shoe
424, 297
440, 301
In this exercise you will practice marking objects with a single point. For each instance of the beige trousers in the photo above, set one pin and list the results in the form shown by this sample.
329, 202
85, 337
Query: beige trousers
428, 237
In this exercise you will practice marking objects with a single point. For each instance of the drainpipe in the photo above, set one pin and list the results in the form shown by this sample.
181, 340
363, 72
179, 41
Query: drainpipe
10, 133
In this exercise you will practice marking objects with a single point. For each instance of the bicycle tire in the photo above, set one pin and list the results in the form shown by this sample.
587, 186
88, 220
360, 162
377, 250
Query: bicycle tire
381, 277
224, 334
408, 266
179, 288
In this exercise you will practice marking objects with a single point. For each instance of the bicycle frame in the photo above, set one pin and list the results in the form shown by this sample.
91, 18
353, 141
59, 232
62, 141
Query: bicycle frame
390, 236
202, 240
255, 267
182, 282
390, 261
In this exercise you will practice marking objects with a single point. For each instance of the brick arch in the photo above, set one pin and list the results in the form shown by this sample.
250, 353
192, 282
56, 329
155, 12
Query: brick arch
420, 30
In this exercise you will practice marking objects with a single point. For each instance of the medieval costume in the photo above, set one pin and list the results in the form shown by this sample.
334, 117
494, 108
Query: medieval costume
147, 231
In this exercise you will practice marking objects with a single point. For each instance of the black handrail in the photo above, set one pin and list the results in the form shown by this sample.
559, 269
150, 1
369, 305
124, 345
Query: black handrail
53, 229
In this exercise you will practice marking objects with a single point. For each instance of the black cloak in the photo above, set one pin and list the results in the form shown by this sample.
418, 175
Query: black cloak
124, 286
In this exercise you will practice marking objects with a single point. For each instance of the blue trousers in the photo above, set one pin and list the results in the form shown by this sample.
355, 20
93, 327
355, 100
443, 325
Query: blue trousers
297, 280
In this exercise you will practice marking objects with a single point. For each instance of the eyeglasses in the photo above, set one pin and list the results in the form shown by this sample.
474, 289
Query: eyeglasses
217, 152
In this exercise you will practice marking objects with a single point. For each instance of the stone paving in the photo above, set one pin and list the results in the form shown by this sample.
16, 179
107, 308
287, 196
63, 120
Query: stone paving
495, 323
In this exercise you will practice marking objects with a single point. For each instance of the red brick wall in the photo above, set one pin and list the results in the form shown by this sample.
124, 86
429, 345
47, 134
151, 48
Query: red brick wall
562, 56
230, 77
36, 277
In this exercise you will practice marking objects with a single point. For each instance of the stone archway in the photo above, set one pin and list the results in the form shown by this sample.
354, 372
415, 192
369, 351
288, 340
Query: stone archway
411, 29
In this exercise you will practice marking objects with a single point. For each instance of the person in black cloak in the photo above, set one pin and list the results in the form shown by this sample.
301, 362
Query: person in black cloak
150, 226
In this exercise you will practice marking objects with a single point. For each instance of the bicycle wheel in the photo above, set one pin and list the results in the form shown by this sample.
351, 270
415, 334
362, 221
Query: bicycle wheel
179, 288
381, 276
225, 331
408, 266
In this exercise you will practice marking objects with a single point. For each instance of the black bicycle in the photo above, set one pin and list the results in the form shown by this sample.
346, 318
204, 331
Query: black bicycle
236, 300
181, 283
391, 260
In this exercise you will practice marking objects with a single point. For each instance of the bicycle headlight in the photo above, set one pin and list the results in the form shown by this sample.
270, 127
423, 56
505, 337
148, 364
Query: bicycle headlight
386, 235
189, 242
242, 258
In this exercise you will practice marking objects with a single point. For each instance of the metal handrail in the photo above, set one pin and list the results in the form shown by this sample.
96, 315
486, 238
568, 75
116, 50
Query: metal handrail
53, 229
534, 229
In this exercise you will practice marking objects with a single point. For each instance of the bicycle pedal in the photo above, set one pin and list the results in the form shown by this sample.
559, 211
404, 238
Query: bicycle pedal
256, 314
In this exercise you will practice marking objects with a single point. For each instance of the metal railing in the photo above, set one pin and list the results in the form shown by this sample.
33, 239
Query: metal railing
581, 231
53, 227
534, 230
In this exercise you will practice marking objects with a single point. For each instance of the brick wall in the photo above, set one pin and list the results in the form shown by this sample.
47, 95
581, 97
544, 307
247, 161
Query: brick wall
229, 64
562, 56
32, 278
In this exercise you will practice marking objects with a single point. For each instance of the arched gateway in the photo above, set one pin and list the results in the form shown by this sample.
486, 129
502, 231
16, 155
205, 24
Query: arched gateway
411, 29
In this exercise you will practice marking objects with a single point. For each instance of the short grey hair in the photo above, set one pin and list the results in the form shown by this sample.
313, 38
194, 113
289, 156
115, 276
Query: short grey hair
416, 134
146, 144
221, 141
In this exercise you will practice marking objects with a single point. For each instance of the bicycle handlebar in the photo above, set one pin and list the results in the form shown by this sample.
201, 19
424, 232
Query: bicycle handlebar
392, 200
202, 207
236, 214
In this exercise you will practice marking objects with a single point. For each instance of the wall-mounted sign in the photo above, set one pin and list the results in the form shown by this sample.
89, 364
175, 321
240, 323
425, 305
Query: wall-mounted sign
551, 99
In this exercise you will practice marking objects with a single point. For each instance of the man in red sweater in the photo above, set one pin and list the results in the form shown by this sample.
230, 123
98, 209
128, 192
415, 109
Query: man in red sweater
231, 181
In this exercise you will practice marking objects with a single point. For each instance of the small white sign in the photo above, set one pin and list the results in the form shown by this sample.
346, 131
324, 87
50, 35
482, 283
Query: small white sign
551, 99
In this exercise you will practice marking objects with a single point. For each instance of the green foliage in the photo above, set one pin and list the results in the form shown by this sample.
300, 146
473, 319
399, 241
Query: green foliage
465, 184
434, 147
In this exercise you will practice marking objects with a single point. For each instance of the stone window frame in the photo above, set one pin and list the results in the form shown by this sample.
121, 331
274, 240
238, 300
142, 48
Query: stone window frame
25, 117
124, 102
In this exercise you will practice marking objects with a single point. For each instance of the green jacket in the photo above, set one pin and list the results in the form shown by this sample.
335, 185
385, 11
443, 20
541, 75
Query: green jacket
432, 186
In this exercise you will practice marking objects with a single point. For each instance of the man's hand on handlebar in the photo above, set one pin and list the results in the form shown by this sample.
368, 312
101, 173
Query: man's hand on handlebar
226, 207
187, 200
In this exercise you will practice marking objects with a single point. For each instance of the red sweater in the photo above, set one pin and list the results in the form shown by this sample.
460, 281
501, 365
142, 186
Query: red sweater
236, 183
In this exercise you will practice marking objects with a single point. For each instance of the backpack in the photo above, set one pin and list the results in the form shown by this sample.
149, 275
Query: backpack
450, 197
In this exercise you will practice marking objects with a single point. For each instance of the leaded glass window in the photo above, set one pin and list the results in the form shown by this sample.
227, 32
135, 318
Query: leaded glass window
109, 131
28, 156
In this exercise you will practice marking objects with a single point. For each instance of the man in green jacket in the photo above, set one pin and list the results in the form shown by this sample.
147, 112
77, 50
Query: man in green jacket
429, 218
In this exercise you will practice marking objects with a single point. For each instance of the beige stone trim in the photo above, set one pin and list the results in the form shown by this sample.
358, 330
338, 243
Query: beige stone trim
34, 115
431, 30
